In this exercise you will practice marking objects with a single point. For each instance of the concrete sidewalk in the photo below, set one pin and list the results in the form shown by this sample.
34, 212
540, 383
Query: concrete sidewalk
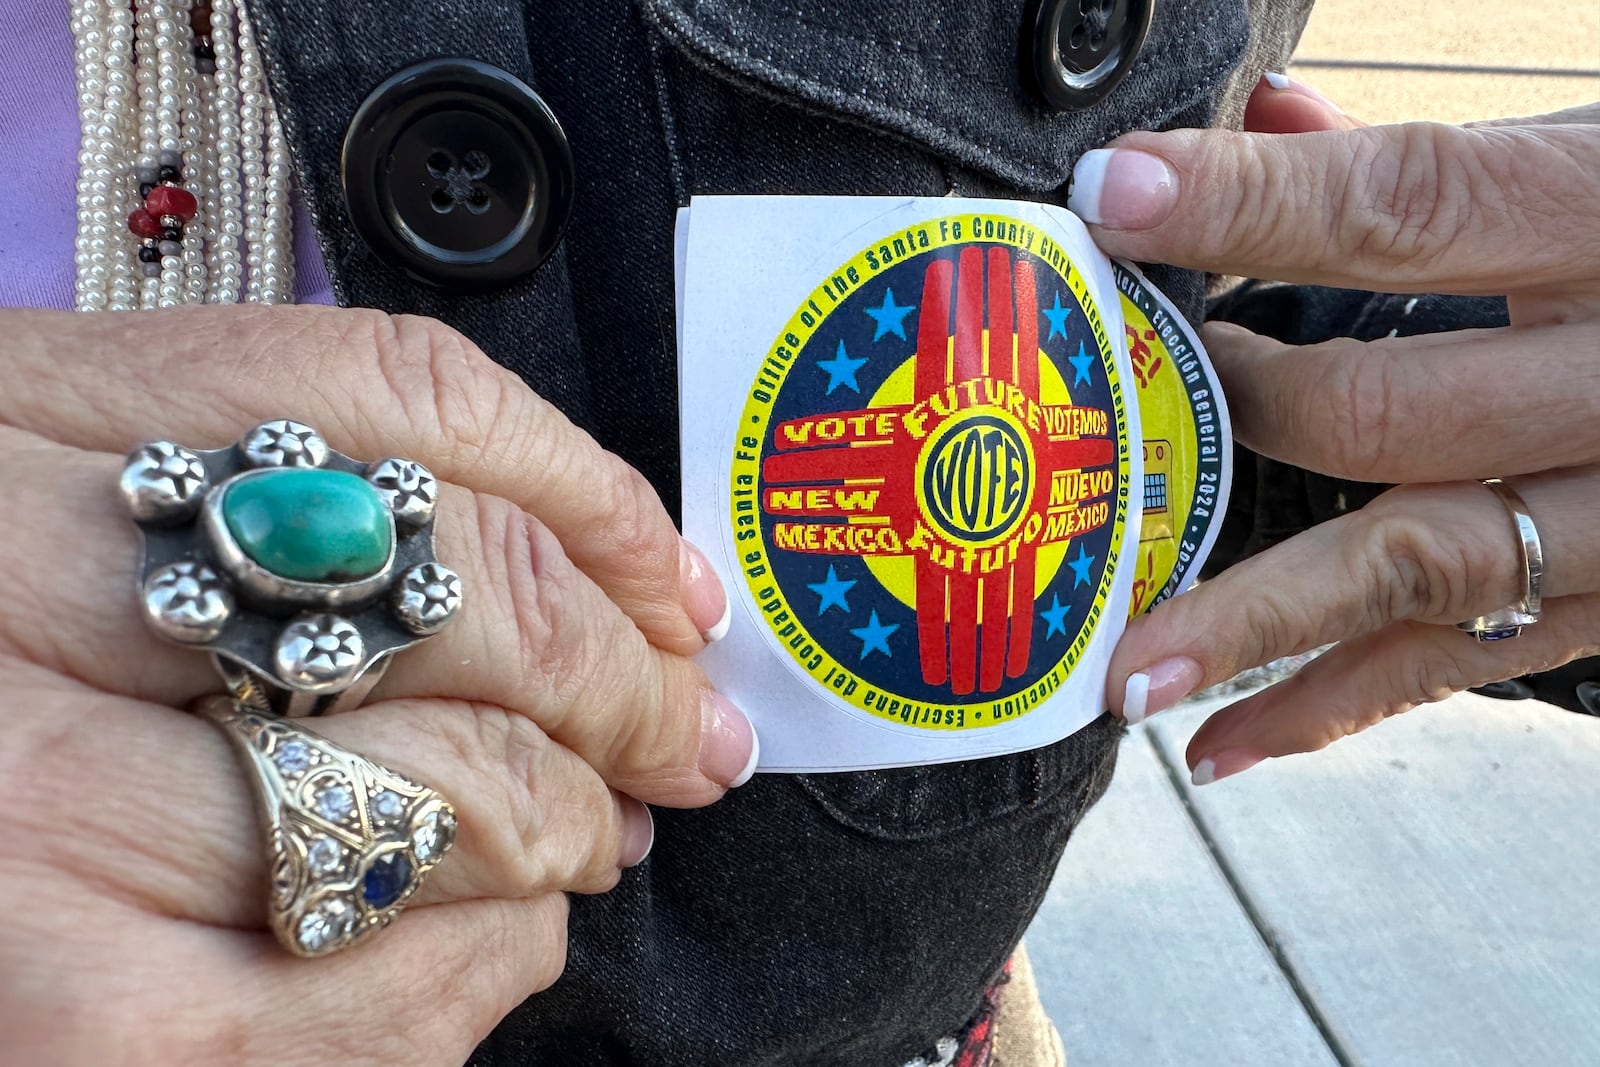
1425, 894
1452, 60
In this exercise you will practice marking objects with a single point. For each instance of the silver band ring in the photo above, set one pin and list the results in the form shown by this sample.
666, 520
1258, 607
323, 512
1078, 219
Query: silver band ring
1509, 621
348, 840
300, 569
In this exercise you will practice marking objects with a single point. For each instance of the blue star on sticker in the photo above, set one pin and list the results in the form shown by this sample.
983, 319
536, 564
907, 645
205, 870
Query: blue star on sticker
1056, 618
1081, 363
890, 317
875, 636
832, 591
842, 370
1080, 567
1058, 318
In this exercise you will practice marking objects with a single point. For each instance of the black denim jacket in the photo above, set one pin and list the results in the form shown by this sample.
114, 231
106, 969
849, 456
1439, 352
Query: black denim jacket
847, 919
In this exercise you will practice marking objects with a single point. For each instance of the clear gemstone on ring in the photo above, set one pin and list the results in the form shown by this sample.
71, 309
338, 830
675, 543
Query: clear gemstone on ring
326, 923
433, 836
335, 801
388, 805
324, 856
292, 757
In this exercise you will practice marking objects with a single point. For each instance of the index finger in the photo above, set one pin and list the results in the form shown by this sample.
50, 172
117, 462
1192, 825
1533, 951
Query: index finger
1419, 207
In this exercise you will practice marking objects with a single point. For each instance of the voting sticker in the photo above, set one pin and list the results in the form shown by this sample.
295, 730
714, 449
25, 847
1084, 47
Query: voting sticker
932, 476
928, 471
1187, 444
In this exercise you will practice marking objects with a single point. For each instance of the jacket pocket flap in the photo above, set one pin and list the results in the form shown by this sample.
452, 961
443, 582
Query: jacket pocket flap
950, 76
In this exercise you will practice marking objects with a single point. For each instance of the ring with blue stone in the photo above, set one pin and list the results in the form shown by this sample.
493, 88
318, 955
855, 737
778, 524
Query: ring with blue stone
349, 840
300, 569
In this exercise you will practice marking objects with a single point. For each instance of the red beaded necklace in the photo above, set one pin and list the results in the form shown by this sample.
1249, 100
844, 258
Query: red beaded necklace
183, 189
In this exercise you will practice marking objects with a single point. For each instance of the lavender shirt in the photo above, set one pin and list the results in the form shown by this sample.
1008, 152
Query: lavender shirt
39, 142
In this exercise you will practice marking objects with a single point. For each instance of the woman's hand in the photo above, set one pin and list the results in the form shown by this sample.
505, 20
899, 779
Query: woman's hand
1505, 207
132, 869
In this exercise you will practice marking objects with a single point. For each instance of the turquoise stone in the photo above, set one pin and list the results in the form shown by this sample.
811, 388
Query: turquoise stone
310, 525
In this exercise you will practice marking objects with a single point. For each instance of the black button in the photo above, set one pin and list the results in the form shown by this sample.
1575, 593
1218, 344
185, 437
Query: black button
1076, 51
457, 173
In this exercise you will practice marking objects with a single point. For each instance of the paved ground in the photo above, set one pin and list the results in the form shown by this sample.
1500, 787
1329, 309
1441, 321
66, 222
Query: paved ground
1426, 894
1452, 60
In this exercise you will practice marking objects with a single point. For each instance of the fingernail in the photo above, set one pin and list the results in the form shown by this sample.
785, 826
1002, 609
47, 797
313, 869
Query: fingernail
1159, 687
729, 748
1284, 83
1222, 765
1122, 188
638, 832
708, 606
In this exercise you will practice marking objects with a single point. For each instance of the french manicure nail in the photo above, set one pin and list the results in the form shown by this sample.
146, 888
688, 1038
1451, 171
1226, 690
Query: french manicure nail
1284, 83
709, 608
638, 833
1222, 765
1158, 688
1122, 188
720, 628
729, 748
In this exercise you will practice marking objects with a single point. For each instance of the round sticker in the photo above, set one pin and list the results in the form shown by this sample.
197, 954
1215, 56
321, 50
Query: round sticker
930, 482
1186, 442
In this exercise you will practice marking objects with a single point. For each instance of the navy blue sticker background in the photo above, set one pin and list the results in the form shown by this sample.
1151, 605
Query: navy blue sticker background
877, 338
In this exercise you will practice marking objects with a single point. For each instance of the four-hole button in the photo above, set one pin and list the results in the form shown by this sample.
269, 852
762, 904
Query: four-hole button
458, 174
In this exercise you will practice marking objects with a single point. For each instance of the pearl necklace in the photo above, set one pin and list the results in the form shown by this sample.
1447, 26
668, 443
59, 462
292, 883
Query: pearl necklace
183, 172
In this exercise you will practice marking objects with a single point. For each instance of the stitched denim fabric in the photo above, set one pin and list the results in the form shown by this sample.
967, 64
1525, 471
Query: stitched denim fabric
819, 920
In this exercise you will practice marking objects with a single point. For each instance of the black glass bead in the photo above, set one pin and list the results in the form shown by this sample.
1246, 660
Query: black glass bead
149, 254
203, 50
170, 174
144, 189
172, 233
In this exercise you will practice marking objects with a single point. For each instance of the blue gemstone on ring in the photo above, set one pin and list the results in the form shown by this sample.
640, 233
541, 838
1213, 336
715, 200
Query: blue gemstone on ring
386, 880
1499, 635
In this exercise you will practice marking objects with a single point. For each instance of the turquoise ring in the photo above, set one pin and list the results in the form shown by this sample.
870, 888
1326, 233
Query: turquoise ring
300, 569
